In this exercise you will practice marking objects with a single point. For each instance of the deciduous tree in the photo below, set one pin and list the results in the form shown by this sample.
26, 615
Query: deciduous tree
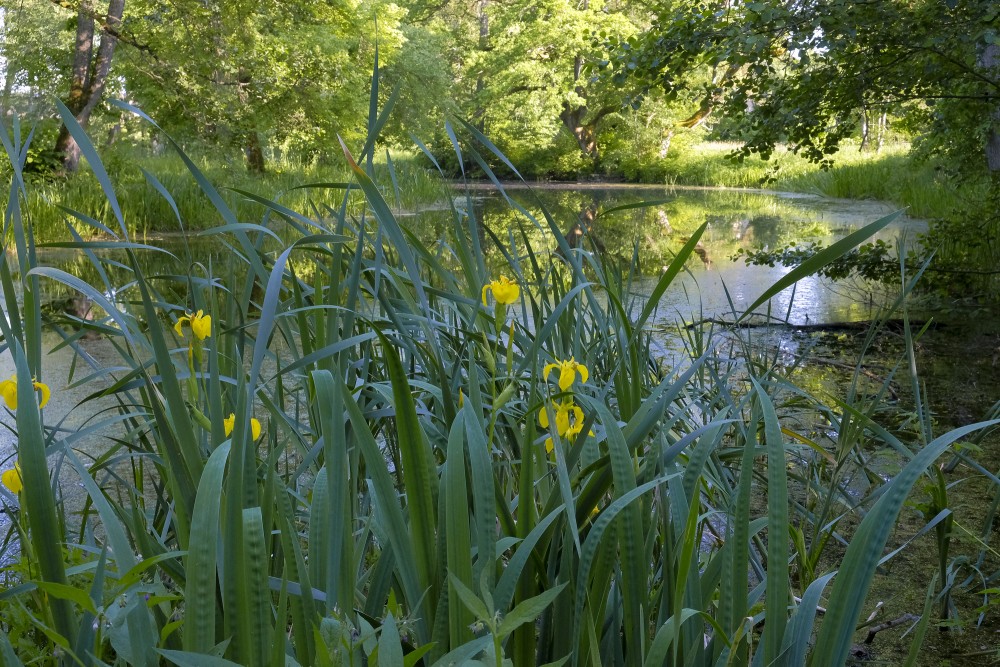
93, 51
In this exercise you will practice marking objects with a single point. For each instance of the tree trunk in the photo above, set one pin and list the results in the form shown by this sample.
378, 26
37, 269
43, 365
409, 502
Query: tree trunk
990, 61
479, 115
865, 131
255, 154
584, 133
882, 127
584, 226
10, 70
665, 144
89, 76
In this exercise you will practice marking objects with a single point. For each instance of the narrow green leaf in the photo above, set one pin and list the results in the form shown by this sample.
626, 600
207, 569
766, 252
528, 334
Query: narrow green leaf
187, 659
778, 595
390, 651
419, 478
819, 260
528, 611
458, 545
200, 590
857, 569
469, 599
254, 600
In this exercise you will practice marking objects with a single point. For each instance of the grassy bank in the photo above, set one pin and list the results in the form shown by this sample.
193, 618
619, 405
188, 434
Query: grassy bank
406, 181
962, 211
891, 175
411, 181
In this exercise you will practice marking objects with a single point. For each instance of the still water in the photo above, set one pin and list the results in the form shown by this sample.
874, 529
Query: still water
736, 219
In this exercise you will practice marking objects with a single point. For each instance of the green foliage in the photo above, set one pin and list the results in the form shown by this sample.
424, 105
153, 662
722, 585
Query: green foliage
870, 261
238, 72
806, 73
410, 184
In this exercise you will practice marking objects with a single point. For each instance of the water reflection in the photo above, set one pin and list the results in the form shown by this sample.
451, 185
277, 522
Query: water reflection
713, 285
587, 217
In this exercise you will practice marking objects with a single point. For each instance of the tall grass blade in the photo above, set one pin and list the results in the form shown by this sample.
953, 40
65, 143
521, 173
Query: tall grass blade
819, 260
858, 567
200, 587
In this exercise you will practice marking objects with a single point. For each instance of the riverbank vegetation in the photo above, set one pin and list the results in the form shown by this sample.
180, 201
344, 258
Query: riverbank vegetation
355, 447
409, 183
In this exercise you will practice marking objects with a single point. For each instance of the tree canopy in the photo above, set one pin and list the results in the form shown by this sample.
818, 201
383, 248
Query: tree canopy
565, 88
807, 73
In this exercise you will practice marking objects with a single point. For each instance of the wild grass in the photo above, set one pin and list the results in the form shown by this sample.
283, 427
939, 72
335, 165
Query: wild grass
406, 179
445, 474
892, 175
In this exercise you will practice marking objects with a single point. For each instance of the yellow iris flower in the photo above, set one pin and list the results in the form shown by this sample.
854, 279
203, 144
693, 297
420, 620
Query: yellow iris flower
230, 422
566, 412
8, 390
200, 323
12, 479
504, 290
568, 371
569, 421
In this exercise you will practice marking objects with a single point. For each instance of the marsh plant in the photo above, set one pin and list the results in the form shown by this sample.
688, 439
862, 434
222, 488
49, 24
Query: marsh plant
345, 446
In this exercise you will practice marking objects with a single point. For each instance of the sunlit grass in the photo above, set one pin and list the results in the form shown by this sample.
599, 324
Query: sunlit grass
410, 183
891, 175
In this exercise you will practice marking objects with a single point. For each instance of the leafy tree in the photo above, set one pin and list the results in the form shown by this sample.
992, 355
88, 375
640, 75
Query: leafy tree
33, 44
526, 81
249, 73
94, 48
807, 72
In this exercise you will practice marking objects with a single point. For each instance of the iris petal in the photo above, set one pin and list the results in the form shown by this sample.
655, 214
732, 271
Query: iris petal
12, 480
566, 377
46, 393
8, 390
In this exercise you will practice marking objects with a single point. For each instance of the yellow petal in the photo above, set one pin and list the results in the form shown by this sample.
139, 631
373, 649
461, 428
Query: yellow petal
584, 373
46, 393
485, 288
180, 322
228, 423
254, 428
201, 326
548, 369
506, 292
562, 419
549, 445
8, 389
12, 480
543, 417
566, 376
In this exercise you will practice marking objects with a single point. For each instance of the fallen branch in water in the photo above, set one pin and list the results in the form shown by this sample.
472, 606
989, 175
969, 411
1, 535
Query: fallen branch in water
819, 326
874, 630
